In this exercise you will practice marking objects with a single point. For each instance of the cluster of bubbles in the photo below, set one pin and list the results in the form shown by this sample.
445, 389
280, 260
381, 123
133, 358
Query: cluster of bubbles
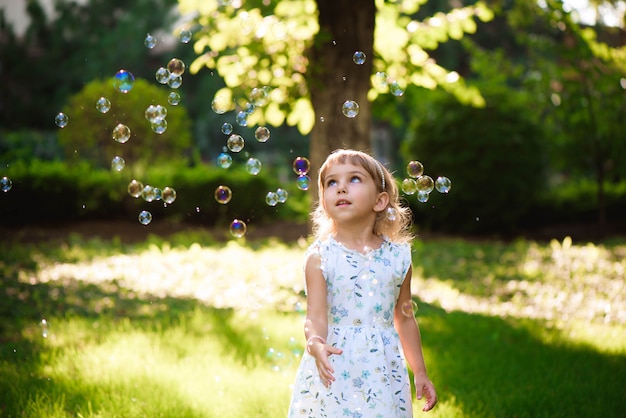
301, 166
419, 183
156, 116
274, 198
282, 361
150, 194
384, 81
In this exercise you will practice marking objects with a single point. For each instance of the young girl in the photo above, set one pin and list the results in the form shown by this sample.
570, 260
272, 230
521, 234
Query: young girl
358, 278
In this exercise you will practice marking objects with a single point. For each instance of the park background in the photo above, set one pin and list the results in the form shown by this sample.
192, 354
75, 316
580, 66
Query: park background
519, 269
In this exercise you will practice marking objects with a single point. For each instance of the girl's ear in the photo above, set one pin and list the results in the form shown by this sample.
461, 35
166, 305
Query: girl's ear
381, 202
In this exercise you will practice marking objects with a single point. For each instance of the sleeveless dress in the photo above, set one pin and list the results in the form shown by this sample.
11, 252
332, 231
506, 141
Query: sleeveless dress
371, 378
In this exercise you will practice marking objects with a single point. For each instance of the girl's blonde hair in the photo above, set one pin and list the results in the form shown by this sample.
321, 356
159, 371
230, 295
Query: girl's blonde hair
395, 225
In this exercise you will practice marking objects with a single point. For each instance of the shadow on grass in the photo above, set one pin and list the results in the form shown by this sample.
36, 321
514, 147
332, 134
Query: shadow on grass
495, 367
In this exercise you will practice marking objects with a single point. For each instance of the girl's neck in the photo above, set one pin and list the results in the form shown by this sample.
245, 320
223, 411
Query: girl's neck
362, 241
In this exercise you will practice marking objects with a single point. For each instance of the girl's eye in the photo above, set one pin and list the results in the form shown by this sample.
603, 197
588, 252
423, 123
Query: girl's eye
355, 179
330, 183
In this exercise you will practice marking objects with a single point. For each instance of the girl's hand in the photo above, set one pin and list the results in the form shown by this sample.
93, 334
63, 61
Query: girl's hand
321, 352
425, 388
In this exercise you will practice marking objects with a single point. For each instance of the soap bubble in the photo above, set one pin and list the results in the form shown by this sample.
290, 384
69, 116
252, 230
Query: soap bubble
61, 120
168, 195
396, 89
238, 228
224, 160
253, 166
147, 193
303, 182
262, 134
408, 186
227, 128
258, 96
103, 105
184, 36
301, 165
158, 193
381, 79
123, 81
223, 194
271, 198
176, 66
408, 308
175, 81
443, 184
150, 41
414, 169
173, 98
5, 184
241, 118
44, 328
350, 108
162, 75
145, 217
220, 105
118, 163
391, 214
425, 184
235, 143
121, 133
359, 57
135, 188
423, 196
282, 195
159, 126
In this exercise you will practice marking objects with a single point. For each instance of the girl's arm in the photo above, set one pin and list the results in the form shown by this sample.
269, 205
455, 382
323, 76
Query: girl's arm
411, 341
316, 322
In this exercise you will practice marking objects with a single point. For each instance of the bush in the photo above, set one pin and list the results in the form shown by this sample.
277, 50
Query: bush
48, 192
29, 145
88, 135
494, 158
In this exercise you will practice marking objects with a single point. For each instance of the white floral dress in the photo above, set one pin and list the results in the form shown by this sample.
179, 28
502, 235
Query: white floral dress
371, 378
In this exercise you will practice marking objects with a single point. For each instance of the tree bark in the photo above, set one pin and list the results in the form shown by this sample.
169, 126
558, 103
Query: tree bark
346, 26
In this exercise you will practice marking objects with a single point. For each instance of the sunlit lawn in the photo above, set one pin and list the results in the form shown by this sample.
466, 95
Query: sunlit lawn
193, 328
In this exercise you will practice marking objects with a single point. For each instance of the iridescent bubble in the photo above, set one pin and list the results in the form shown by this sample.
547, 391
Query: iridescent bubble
408, 308
282, 195
227, 128
391, 214
359, 57
145, 217
173, 98
158, 193
159, 126
168, 195
150, 41
262, 134
224, 160
301, 165
103, 105
443, 184
381, 79
61, 120
123, 81
223, 194
249, 108
44, 328
303, 182
253, 166
121, 133
152, 113
161, 112
396, 89
241, 118
425, 184
235, 143
175, 81
176, 66
118, 163
135, 188
258, 96
220, 105
184, 36
163, 75
147, 193
5, 184
414, 169
350, 109
423, 196
271, 198
409, 186
238, 228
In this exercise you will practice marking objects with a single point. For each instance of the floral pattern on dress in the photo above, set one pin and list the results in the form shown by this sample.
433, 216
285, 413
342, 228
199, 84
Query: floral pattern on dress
371, 375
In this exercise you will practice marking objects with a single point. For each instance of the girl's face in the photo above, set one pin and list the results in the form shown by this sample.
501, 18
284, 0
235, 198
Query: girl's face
349, 194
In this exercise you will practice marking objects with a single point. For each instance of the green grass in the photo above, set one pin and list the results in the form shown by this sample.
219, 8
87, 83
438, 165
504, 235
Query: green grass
192, 328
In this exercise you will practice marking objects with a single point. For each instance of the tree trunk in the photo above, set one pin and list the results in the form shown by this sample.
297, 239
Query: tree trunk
346, 26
